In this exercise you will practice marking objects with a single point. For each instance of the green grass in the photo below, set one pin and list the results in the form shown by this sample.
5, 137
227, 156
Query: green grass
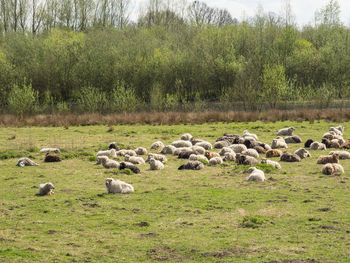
212, 215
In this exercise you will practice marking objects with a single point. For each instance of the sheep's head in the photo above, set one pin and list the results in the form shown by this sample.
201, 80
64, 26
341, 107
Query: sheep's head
263, 160
291, 128
50, 186
250, 170
109, 181
207, 154
335, 156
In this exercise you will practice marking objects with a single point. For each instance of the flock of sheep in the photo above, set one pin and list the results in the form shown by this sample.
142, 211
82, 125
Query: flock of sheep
244, 150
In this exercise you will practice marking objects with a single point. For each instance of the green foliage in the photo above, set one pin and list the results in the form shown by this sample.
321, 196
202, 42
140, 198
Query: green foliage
254, 221
9, 155
22, 100
204, 161
92, 100
123, 99
274, 84
126, 171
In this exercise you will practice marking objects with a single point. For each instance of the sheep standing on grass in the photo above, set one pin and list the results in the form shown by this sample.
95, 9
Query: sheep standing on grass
49, 150
323, 159
288, 157
215, 161
108, 163
192, 165
46, 189
302, 153
342, 154
317, 146
26, 162
141, 151
273, 163
273, 153
155, 164
332, 169
117, 186
286, 131
157, 146
255, 175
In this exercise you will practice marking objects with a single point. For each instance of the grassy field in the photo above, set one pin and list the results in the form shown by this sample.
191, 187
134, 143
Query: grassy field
212, 215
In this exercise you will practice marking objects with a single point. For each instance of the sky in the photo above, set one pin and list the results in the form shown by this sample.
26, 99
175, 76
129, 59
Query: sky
303, 10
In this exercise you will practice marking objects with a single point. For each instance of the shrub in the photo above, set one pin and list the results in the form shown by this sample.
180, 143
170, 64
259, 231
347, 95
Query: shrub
254, 221
123, 98
22, 100
92, 99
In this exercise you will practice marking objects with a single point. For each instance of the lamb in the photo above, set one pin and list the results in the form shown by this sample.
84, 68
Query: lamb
302, 153
215, 160
197, 157
246, 160
337, 130
49, 150
238, 148
198, 149
255, 175
293, 139
155, 164
252, 153
279, 142
126, 165
169, 149
158, 157
332, 169
157, 146
192, 165
229, 157
46, 189
288, 157
331, 135
210, 155
226, 150
141, 151
124, 152
342, 154
186, 137
26, 162
317, 146
108, 163
113, 145
52, 158
345, 145
117, 186
286, 131
134, 159
323, 159
180, 144
247, 134
205, 145
112, 153
221, 144
273, 163
273, 153
308, 143
330, 144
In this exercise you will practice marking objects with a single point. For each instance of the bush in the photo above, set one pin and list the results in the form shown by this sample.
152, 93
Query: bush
22, 100
92, 100
123, 99
254, 221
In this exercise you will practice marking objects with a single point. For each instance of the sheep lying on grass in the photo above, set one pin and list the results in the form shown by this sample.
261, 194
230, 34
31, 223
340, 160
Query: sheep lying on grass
221, 144
186, 154
248, 135
194, 140
117, 186
205, 145
288, 157
342, 154
52, 158
49, 150
169, 149
182, 149
229, 157
226, 150
345, 145
255, 175
286, 131
157, 146
293, 139
46, 189
317, 146
331, 143
273, 163
210, 155
26, 162
127, 165
302, 153
252, 153
141, 151
112, 153
108, 163
238, 148
246, 160
308, 143
158, 157
181, 143
113, 145
134, 159
197, 157
259, 149
337, 130
186, 137
215, 160
192, 165
332, 169
124, 152
279, 142
323, 159
155, 164
198, 149
273, 153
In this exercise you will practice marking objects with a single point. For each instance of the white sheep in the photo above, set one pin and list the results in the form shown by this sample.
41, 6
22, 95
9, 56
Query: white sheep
99, 159
157, 146
48, 150
337, 130
182, 149
238, 148
181, 143
248, 135
155, 164
134, 159
317, 146
255, 175
186, 137
229, 156
332, 168
158, 157
342, 154
117, 186
197, 157
302, 153
215, 160
112, 153
46, 189
221, 144
226, 150
169, 149
206, 145
251, 152
26, 162
279, 143
124, 152
273, 163
198, 149
108, 163
141, 151
286, 131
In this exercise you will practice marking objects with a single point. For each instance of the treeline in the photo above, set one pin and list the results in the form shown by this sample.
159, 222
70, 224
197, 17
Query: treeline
89, 56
